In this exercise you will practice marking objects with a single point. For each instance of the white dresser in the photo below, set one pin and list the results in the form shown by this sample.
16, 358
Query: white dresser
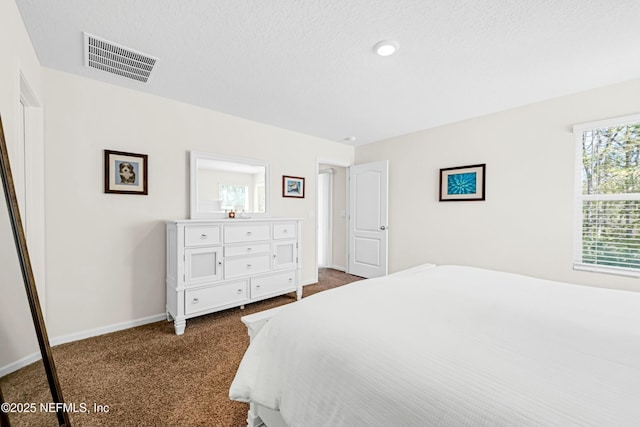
213, 265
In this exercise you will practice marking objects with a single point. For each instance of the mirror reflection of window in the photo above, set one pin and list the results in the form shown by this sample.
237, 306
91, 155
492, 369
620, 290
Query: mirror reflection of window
234, 197
221, 183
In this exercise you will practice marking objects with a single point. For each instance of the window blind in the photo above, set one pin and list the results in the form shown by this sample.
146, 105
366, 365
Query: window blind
608, 196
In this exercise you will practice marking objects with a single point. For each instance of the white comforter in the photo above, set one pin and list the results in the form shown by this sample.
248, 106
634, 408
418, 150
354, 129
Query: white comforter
450, 346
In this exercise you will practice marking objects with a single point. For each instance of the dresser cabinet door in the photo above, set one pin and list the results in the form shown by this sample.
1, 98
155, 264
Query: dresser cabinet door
203, 265
285, 255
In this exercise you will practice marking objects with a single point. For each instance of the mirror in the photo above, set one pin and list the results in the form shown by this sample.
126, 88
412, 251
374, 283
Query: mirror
220, 184
28, 380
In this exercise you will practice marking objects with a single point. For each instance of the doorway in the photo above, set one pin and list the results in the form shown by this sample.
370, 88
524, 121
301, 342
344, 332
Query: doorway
352, 218
332, 216
27, 162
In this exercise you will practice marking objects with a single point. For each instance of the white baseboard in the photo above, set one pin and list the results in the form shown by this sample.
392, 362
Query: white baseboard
27, 360
14, 366
334, 267
308, 282
21, 363
106, 329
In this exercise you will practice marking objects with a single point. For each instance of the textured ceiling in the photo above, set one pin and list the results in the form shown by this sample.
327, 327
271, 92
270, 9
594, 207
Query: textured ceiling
308, 65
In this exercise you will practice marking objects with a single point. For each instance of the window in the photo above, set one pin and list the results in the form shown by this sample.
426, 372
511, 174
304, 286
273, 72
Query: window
608, 196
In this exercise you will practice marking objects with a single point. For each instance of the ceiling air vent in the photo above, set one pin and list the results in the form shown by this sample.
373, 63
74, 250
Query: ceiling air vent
116, 59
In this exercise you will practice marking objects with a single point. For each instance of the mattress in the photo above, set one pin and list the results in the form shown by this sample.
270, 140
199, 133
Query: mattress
450, 346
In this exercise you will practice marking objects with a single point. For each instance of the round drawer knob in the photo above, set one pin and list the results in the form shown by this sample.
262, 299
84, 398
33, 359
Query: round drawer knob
196, 300
203, 236
239, 291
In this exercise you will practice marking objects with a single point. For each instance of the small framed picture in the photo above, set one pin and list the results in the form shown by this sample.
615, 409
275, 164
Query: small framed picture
292, 186
462, 183
125, 173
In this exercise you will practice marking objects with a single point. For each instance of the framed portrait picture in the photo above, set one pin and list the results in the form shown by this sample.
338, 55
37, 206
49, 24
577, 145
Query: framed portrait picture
125, 173
292, 186
462, 183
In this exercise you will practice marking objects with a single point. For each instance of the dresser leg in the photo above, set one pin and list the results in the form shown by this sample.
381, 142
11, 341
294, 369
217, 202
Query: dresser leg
299, 293
179, 325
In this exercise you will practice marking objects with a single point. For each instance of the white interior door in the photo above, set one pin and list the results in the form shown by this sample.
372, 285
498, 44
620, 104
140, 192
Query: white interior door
368, 230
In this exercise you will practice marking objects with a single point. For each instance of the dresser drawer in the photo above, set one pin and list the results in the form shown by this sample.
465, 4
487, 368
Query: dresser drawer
274, 284
255, 248
202, 235
246, 265
285, 231
215, 296
246, 233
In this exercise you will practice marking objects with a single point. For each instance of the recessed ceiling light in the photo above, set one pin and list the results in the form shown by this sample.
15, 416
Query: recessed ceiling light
386, 47
350, 139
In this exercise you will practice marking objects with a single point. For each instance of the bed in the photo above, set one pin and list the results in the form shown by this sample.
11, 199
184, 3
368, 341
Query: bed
446, 346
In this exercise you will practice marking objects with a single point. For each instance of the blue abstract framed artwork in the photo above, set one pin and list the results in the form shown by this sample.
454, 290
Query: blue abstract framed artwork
462, 183
125, 173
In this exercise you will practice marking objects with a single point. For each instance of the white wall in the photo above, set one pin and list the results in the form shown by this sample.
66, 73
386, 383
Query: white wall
17, 56
526, 224
106, 252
